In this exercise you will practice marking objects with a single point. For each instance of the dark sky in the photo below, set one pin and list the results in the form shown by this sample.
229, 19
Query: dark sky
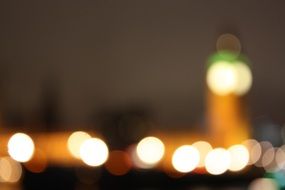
111, 55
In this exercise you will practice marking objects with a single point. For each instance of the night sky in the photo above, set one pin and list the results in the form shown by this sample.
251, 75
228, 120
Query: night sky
85, 57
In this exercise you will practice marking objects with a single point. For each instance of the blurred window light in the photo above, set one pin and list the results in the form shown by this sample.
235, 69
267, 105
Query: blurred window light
263, 184
204, 148
150, 150
218, 161
94, 152
239, 157
185, 158
74, 142
21, 147
10, 170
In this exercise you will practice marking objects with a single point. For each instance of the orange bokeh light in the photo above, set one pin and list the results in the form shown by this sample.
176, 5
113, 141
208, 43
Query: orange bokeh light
119, 163
38, 163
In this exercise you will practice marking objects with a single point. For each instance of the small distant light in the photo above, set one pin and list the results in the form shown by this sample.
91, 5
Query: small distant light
150, 150
10, 170
254, 149
21, 147
185, 158
218, 161
239, 157
94, 152
204, 148
74, 142
228, 42
263, 184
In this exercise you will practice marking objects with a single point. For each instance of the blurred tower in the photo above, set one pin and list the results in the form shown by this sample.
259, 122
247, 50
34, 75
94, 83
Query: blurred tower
228, 79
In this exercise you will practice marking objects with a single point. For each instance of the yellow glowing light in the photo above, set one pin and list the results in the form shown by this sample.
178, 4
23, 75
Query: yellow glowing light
185, 158
218, 161
94, 152
21, 147
221, 78
224, 78
239, 157
74, 142
10, 170
244, 78
150, 150
263, 184
254, 149
136, 161
204, 148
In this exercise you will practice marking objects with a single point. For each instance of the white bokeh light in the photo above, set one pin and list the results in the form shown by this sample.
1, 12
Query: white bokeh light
239, 157
74, 142
150, 150
221, 78
185, 158
244, 78
204, 148
21, 147
224, 78
218, 161
94, 152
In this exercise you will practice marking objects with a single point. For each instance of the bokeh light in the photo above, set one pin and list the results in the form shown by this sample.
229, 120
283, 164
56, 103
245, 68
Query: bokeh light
74, 142
218, 161
221, 78
265, 145
185, 158
268, 161
239, 157
94, 152
150, 150
38, 163
254, 149
280, 157
228, 42
244, 78
263, 184
21, 147
225, 77
204, 148
10, 170
119, 163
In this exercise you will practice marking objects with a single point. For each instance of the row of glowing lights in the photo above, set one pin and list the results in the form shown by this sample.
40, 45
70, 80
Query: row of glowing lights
186, 158
149, 152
